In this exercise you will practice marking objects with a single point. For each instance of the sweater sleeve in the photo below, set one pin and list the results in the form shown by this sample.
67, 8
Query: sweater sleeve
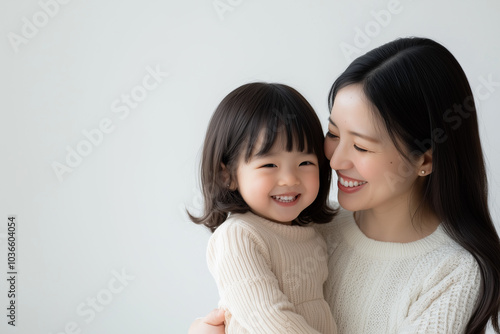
447, 300
240, 263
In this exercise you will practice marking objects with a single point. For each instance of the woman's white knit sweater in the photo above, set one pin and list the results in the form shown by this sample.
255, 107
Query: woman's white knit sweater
427, 286
270, 276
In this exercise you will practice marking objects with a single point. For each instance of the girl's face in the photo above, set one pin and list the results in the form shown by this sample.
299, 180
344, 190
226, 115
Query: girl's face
371, 172
279, 184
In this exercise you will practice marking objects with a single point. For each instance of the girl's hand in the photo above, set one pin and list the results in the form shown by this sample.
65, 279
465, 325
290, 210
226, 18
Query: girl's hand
212, 323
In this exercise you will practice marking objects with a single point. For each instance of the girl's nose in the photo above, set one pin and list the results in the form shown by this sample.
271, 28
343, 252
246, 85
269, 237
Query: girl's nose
288, 178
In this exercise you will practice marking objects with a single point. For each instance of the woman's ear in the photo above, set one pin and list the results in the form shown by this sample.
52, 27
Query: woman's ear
425, 161
226, 178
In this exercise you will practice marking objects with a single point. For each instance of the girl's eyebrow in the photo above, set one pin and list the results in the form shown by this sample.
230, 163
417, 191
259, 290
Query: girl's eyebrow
357, 134
263, 155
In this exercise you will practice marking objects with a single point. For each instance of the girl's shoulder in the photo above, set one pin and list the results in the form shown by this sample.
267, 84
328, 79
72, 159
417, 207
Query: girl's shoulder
241, 223
238, 232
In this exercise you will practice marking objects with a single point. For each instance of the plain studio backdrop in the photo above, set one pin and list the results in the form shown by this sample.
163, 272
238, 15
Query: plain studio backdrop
104, 110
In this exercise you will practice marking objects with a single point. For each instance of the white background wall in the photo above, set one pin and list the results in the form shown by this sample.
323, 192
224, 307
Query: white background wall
107, 247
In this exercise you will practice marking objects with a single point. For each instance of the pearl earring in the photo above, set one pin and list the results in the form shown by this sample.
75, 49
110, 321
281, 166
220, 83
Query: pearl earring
422, 172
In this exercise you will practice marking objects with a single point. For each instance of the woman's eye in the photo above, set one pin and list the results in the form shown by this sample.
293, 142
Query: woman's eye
360, 149
331, 135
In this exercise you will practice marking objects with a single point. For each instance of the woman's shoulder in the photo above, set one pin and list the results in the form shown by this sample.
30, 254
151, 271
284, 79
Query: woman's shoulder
452, 254
448, 270
442, 261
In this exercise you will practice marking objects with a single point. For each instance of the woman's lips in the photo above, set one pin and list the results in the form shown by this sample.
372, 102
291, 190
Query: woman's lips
349, 185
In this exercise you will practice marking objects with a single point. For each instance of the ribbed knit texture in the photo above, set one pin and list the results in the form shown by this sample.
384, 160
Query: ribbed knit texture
427, 286
270, 276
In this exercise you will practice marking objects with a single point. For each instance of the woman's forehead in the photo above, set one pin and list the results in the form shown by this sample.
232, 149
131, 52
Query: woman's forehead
352, 111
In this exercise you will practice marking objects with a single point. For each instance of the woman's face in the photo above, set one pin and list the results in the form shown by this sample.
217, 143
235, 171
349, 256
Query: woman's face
371, 172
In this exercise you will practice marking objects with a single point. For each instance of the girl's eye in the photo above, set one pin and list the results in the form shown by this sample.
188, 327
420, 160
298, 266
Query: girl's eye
360, 149
268, 166
331, 135
306, 163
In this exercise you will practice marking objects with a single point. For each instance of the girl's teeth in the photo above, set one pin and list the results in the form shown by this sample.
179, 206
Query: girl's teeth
350, 184
284, 198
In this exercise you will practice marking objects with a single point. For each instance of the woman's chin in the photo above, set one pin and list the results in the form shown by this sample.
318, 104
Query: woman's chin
348, 205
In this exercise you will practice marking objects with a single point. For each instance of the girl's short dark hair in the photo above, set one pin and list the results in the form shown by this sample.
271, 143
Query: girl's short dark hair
274, 111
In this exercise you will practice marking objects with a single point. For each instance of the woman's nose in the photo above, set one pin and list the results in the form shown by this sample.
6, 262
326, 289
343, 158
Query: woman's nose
339, 160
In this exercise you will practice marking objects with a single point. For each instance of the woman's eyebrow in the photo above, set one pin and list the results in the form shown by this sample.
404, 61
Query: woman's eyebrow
357, 134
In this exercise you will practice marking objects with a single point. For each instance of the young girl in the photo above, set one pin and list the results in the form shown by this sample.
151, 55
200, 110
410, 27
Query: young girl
265, 181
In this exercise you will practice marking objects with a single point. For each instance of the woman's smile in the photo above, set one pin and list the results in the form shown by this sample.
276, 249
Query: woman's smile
349, 185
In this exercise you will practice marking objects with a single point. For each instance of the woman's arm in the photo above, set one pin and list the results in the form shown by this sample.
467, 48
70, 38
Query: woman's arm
212, 323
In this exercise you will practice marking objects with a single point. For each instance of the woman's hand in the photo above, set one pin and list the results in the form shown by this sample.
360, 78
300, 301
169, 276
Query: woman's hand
212, 323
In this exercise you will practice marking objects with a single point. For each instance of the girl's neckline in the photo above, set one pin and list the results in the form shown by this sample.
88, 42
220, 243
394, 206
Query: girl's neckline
293, 232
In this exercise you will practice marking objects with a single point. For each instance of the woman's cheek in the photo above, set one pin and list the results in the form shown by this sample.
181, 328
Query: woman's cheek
329, 147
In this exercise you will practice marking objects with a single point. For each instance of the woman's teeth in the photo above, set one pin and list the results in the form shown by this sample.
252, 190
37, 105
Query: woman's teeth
284, 198
350, 183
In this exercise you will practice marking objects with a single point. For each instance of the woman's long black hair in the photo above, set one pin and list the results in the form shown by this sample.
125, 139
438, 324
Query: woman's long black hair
423, 96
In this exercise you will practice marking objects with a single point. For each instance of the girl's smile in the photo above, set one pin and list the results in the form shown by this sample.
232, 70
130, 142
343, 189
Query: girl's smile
286, 199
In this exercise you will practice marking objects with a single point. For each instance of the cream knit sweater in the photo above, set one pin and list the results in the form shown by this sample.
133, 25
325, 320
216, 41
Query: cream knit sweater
270, 276
427, 286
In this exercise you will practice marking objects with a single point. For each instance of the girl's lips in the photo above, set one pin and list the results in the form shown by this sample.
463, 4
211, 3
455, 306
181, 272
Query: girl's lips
289, 199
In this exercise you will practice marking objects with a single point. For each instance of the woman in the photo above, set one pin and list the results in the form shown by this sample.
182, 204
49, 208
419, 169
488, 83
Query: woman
415, 250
